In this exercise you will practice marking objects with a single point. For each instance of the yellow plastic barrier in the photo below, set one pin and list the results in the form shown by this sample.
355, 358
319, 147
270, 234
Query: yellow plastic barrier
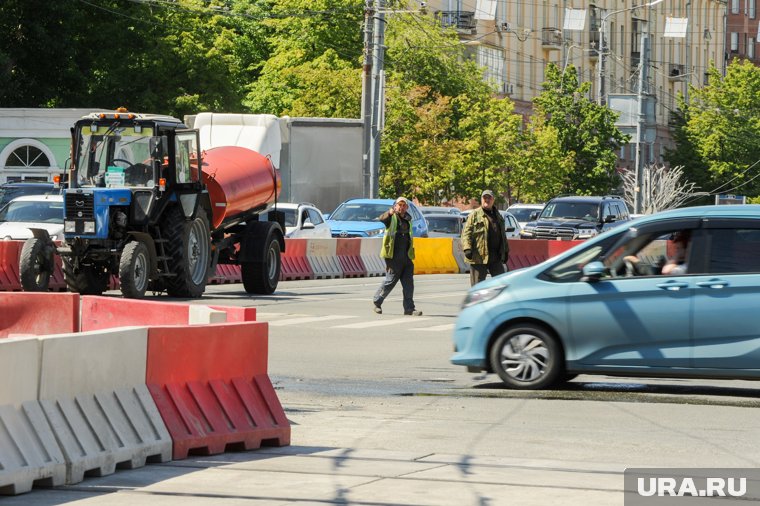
434, 255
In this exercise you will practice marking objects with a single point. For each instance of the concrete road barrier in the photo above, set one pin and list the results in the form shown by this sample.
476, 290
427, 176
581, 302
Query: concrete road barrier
29, 453
349, 256
93, 392
38, 313
211, 386
434, 255
295, 265
323, 259
370, 255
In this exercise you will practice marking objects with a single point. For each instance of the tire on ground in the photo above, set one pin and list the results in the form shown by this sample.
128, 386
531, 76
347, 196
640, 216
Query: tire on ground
261, 277
527, 356
189, 247
35, 267
134, 270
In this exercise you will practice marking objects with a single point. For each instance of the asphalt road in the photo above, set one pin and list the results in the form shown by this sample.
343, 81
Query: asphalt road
379, 416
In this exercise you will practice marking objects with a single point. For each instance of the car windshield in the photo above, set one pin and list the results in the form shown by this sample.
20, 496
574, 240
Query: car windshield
33, 212
522, 213
120, 157
359, 212
444, 225
571, 211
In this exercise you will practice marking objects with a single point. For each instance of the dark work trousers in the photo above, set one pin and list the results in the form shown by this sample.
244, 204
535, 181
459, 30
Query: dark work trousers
478, 272
395, 270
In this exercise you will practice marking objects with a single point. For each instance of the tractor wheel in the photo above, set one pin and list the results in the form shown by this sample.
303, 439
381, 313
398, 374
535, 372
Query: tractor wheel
189, 246
36, 265
85, 280
261, 277
134, 270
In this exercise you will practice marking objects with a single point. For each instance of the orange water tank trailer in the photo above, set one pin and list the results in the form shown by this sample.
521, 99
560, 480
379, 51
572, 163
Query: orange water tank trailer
238, 180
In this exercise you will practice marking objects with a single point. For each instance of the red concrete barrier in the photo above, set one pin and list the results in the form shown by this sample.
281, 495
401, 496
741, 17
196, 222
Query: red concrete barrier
211, 386
237, 314
554, 248
109, 312
526, 252
349, 256
226, 273
38, 313
295, 265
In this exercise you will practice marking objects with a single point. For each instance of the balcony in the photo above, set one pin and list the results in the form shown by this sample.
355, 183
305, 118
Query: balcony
551, 38
462, 21
676, 72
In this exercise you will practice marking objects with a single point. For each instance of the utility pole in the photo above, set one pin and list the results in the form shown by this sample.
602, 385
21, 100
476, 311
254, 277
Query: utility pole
378, 97
640, 124
367, 98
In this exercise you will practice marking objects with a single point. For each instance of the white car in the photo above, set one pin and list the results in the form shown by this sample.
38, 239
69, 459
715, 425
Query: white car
304, 221
523, 211
32, 211
511, 225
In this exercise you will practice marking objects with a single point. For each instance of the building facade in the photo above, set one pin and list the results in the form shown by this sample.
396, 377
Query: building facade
515, 41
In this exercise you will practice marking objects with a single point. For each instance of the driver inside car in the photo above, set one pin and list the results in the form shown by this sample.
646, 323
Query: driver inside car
673, 265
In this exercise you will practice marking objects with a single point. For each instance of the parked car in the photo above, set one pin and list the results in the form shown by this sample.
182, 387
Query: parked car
303, 221
511, 225
523, 212
586, 311
571, 218
439, 210
10, 191
32, 211
444, 225
359, 218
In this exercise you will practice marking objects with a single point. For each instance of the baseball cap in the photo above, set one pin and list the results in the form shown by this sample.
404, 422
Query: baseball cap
402, 199
487, 192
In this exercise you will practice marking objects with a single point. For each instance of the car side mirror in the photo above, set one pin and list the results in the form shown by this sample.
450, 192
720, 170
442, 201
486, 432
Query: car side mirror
533, 216
307, 226
593, 272
610, 218
510, 229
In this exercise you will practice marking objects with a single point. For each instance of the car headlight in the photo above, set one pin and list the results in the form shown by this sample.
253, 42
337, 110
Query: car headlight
89, 227
69, 226
373, 233
482, 295
585, 233
526, 232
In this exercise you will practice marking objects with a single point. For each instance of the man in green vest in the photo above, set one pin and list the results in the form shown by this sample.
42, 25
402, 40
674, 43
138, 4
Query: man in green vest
398, 252
484, 240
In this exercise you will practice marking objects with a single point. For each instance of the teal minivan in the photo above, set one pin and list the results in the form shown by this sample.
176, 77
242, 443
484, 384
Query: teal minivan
673, 294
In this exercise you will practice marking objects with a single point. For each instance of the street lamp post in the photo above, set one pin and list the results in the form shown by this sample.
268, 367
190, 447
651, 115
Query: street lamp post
603, 43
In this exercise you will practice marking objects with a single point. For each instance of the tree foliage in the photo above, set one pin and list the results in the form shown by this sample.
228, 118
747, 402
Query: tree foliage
719, 135
584, 128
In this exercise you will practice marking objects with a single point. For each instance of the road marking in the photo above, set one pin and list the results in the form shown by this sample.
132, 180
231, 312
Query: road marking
380, 323
262, 316
437, 328
318, 319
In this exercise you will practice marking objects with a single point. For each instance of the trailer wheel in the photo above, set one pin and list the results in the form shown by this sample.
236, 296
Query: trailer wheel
261, 277
134, 270
86, 279
36, 265
189, 246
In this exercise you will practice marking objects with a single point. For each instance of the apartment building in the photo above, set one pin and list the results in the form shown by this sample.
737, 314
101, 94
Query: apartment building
742, 30
515, 40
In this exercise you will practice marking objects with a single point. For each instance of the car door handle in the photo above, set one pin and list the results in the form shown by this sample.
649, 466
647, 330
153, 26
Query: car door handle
673, 285
716, 284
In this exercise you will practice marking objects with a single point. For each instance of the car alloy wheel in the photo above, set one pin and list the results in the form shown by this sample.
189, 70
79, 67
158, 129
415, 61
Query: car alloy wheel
526, 357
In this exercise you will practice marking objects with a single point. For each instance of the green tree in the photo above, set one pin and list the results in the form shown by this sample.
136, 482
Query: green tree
719, 138
314, 68
584, 128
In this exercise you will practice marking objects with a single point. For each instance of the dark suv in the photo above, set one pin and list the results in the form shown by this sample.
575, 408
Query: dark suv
571, 218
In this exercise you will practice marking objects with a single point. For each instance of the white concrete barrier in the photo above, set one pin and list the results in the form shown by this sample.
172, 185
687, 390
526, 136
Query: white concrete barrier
93, 392
203, 315
323, 258
29, 453
370, 254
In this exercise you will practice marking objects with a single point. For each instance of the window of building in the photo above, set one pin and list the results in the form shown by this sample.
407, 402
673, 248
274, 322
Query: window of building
751, 48
492, 59
734, 6
26, 159
734, 42
751, 7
